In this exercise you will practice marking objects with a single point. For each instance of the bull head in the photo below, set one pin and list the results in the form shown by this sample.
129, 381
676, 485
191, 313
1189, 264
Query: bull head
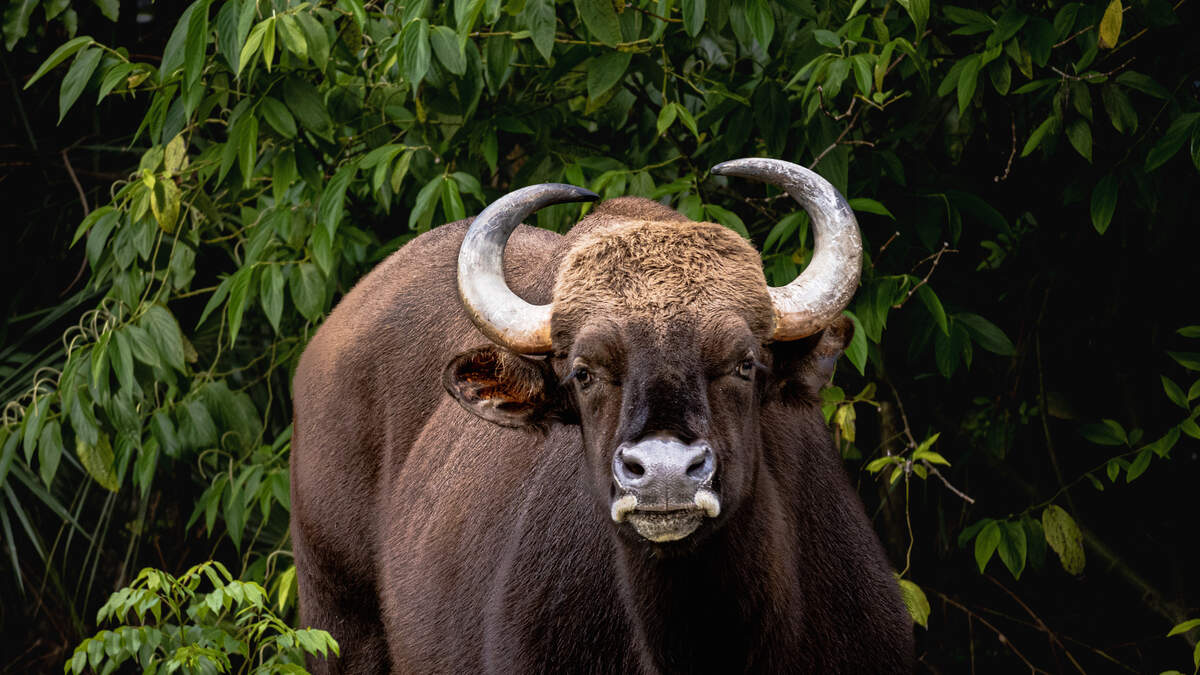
665, 361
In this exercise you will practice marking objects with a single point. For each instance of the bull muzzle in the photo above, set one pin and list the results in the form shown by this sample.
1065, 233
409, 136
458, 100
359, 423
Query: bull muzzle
664, 487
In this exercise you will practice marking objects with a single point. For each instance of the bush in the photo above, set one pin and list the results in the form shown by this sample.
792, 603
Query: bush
1017, 173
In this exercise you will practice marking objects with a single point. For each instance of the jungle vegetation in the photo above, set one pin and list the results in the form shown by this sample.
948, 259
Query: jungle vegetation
190, 187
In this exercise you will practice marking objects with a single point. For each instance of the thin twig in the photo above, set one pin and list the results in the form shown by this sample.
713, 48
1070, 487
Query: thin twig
837, 140
1012, 153
1092, 76
936, 258
933, 470
886, 244
86, 211
1138, 34
1098, 652
999, 633
912, 442
1041, 625
652, 15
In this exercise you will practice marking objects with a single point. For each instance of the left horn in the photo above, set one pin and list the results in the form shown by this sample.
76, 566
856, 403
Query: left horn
817, 297
499, 313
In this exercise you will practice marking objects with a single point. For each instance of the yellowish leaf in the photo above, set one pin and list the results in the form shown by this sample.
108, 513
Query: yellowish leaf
915, 601
1064, 537
1110, 25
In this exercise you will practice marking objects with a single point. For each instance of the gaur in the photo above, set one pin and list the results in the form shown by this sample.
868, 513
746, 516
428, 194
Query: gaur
517, 451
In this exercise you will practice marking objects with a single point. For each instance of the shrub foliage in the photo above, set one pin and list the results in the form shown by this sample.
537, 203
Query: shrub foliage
286, 147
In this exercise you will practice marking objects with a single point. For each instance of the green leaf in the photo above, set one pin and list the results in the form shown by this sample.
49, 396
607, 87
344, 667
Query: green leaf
77, 78
416, 51
1035, 138
1189, 360
174, 51
968, 76
727, 218
915, 602
693, 16
356, 10
1120, 110
868, 205
1166, 147
306, 104
1108, 432
422, 213
163, 329
1189, 331
1163, 445
761, 21
856, 351
687, 119
918, 11
1013, 548
1139, 465
878, 464
1104, 202
934, 305
1181, 628
827, 38
315, 37
277, 115
986, 544
1079, 133
271, 294
333, 198
448, 49
538, 17
605, 71
238, 296
308, 290
600, 19
293, 36
35, 416
1175, 393
1064, 537
50, 448
122, 358
986, 334
195, 43
58, 56
666, 117
97, 460
452, 204
1144, 84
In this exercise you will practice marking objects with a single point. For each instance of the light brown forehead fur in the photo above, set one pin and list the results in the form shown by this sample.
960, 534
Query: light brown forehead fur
661, 271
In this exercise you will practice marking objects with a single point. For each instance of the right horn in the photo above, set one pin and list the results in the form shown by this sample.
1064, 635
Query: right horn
817, 297
500, 314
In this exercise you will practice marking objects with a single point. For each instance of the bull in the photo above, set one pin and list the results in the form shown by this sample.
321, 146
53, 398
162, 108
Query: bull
630, 474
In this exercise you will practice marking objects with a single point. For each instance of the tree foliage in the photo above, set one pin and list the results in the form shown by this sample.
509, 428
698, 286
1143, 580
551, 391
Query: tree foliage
284, 148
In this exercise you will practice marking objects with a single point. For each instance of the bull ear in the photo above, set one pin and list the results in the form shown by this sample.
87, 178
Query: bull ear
500, 386
804, 366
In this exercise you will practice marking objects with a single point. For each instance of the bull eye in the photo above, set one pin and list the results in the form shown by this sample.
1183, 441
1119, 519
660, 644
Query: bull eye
745, 368
583, 376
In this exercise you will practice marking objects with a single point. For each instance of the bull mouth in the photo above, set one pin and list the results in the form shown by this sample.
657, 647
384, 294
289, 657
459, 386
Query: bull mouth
666, 523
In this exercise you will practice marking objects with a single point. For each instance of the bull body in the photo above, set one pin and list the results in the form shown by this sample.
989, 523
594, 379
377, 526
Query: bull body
431, 540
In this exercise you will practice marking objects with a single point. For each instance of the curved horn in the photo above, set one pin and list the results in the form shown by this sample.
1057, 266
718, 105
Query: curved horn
815, 298
499, 313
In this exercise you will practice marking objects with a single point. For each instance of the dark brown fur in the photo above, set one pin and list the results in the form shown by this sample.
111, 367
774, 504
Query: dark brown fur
429, 539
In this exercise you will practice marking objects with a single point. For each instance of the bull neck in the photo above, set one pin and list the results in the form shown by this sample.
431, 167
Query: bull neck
726, 606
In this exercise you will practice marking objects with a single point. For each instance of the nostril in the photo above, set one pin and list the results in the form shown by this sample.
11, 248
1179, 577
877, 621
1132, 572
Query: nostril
701, 468
633, 467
